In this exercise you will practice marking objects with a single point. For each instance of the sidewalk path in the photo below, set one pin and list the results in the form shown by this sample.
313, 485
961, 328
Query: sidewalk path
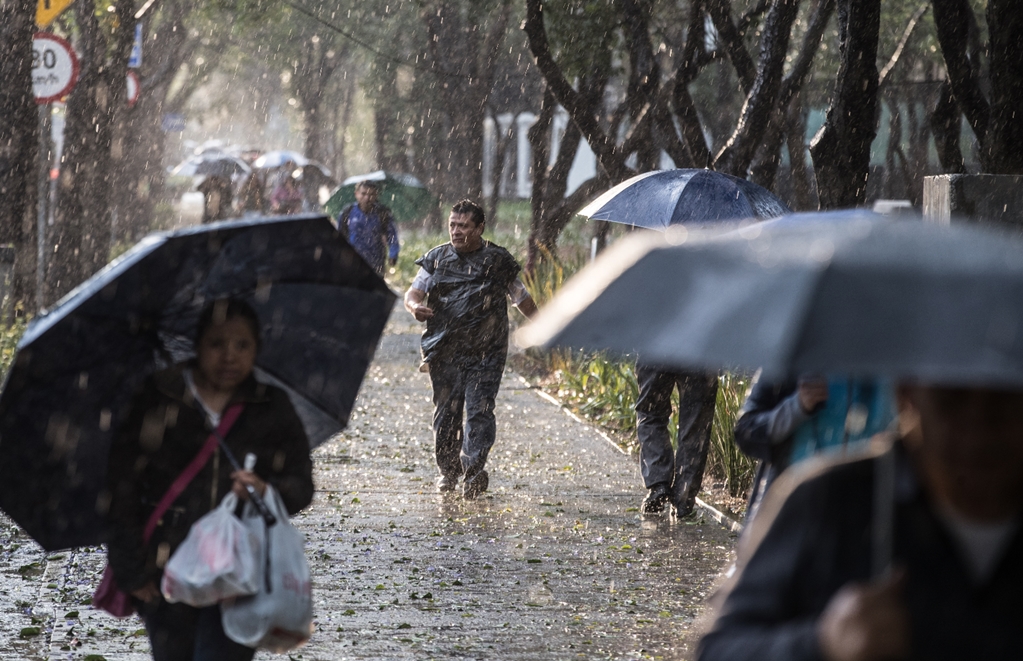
553, 563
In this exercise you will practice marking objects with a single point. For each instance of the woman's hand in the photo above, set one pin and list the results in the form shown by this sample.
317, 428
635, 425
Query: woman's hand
147, 593
243, 479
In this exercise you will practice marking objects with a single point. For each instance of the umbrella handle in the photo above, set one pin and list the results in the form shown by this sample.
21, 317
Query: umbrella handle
883, 521
254, 498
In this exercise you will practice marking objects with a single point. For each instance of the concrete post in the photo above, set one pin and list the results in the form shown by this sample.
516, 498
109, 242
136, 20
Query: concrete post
972, 197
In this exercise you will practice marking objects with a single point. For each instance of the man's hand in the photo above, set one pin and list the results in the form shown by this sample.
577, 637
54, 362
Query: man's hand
147, 593
421, 312
866, 623
243, 478
414, 304
812, 393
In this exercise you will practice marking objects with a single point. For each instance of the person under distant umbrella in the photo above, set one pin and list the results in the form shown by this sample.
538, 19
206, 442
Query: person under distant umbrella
252, 198
658, 200
369, 226
217, 198
286, 197
169, 422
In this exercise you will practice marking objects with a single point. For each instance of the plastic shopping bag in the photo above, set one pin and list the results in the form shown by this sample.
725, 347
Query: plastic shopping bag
280, 617
221, 558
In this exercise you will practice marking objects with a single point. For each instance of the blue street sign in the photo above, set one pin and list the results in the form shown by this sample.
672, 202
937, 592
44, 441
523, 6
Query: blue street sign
173, 123
135, 61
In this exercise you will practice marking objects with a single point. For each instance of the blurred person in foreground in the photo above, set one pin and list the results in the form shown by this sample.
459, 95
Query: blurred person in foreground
369, 227
462, 292
804, 589
169, 423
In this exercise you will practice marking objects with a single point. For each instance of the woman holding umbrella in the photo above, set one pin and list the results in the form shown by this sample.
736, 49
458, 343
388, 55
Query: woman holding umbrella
169, 425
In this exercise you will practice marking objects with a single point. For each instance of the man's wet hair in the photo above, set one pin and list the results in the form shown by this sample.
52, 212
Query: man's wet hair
367, 183
225, 309
470, 208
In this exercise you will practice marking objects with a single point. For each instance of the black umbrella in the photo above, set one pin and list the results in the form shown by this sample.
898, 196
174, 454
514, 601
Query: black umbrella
322, 309
863, 297
220, 165
662, 198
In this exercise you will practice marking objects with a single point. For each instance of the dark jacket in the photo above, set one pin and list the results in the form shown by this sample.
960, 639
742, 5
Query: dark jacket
813, 536
469, 298
771, 410
163, 433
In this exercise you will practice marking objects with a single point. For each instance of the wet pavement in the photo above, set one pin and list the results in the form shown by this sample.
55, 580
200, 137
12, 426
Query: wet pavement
554, 562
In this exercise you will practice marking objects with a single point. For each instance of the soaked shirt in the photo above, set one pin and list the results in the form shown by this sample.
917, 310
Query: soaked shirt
467, 293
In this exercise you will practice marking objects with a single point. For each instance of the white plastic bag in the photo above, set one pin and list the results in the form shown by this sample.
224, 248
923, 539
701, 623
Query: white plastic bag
280, 617
219, 559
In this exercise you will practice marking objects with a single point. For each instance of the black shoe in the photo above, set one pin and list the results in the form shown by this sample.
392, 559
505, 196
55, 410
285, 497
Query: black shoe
656, 499
684, 510
446, 484
474, 488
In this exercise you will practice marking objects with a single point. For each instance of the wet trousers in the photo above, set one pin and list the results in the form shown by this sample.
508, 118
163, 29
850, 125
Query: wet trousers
681, 468
178, 632
463, 451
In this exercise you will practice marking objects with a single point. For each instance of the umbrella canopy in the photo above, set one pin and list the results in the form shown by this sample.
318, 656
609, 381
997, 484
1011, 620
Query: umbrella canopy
863, 297
658, 199
322, 309
407, 197
217, 164
275, 159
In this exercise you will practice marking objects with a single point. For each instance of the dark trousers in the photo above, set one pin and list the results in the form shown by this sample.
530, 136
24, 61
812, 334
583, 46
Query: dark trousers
682, 468
178, 632
464, 451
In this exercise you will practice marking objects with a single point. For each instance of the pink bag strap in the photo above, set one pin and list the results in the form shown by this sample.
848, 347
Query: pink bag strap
179, 484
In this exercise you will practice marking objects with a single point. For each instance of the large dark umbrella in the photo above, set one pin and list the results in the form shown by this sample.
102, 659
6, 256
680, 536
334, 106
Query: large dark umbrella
870, 297
658, 199
322, 309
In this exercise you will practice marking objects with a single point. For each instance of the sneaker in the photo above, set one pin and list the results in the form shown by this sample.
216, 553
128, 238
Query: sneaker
473, 489
446, 484
656, 499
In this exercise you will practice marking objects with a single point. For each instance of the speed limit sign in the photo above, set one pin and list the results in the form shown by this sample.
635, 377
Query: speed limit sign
54, 67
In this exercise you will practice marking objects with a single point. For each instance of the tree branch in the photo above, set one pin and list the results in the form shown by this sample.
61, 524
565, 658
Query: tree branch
721, 13
738, 152
906, 34
603, 146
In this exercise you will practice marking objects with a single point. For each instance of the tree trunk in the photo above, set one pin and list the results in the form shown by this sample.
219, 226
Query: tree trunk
464, 47
945, 128
1005, 24
841, 149
738, 152
953, 21
19, 151
81, 232
802, 178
